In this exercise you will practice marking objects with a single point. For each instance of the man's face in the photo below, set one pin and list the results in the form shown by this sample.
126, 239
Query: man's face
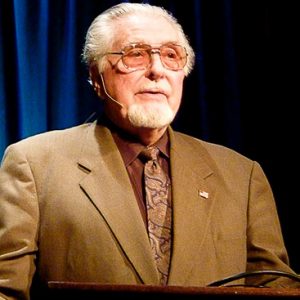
150, 97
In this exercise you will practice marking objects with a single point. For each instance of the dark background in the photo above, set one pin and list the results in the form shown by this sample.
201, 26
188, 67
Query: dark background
242, 93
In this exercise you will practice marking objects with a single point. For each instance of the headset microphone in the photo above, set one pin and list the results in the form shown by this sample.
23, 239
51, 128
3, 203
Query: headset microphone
107, 94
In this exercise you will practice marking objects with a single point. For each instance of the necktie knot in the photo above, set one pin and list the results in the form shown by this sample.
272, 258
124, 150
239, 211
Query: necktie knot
149, 153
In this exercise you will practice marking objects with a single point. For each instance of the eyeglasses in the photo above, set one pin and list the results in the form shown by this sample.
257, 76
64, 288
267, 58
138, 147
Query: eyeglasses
139, 56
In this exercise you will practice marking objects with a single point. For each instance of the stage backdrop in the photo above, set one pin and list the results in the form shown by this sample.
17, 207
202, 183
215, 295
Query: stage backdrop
242, 93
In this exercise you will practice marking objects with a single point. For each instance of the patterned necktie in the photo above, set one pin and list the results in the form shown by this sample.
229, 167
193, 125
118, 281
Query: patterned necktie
159, 211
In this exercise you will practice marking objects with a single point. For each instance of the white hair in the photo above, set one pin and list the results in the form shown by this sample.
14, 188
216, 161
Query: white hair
101, 33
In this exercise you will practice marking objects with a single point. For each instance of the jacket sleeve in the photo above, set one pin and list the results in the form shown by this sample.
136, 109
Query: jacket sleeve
265, 244
19, 217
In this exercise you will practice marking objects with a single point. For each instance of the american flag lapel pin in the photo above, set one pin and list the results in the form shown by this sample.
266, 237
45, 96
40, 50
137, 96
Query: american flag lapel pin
204, 194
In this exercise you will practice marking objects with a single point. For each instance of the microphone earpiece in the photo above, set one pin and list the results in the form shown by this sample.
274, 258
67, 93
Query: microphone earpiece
107, 94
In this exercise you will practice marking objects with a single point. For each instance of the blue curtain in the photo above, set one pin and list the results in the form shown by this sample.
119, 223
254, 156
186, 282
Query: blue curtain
242, 94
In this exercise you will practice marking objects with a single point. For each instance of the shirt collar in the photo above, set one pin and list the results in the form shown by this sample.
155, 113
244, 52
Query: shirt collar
130, 148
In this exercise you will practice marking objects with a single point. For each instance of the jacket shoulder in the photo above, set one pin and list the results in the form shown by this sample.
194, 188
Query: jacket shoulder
217, 152
62, 140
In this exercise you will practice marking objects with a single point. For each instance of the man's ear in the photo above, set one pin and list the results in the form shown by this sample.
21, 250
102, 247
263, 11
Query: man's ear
96, 80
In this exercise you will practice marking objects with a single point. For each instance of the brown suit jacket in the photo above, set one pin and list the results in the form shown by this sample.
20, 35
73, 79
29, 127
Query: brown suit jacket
68, 212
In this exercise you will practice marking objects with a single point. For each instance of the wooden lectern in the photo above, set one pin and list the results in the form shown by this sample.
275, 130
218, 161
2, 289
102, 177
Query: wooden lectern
92, 291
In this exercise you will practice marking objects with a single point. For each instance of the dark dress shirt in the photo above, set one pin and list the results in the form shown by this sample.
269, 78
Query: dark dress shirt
130, 149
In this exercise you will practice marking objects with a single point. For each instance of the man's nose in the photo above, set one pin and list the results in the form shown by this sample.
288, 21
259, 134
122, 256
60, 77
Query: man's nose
156, 66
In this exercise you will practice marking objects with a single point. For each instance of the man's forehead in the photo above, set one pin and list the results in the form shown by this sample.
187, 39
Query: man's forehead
137, 23
146, 31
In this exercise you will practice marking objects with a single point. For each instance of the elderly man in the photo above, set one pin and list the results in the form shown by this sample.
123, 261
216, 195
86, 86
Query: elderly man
126, 200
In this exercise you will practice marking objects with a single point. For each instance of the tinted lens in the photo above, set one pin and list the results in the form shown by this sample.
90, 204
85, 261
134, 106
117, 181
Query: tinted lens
173, 56
136, 57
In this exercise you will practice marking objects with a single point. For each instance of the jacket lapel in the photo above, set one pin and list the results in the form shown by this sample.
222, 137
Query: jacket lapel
193, 200
108, 186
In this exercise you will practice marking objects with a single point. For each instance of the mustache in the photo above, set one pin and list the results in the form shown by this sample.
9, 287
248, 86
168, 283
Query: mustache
153, 88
